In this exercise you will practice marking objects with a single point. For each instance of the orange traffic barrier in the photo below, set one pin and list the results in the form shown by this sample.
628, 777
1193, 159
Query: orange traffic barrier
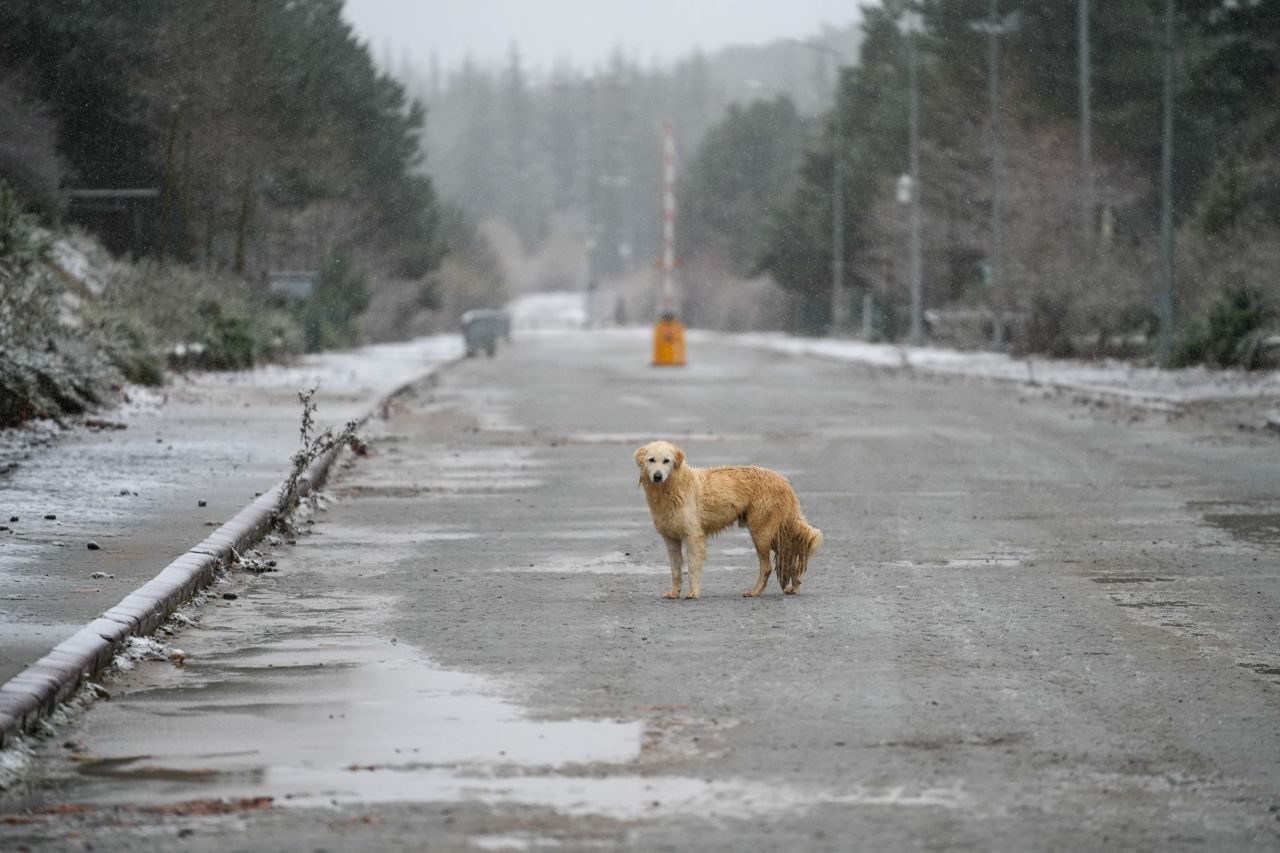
668, 342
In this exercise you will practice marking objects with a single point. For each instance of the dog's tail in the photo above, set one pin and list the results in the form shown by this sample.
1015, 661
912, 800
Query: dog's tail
796, 542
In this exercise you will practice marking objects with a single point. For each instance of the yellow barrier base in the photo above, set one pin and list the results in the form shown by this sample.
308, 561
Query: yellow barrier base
668, 343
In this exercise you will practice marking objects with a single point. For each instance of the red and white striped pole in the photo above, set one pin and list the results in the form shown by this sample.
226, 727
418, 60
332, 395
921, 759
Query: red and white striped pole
668, 219
668, 332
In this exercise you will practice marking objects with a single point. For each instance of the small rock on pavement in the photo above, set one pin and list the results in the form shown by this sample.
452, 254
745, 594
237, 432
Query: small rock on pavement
98, 576
202, 503
49, 516
93, 546
230, 596
13, 518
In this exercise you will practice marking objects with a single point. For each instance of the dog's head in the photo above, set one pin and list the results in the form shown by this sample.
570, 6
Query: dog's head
657, 461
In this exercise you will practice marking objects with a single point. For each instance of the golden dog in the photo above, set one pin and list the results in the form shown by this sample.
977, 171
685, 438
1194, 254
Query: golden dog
688, 504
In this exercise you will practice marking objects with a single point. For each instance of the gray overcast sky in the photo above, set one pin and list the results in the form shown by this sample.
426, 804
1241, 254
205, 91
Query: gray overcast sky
583, 31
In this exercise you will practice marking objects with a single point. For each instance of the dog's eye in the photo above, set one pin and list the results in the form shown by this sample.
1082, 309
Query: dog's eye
651, 459
665, 461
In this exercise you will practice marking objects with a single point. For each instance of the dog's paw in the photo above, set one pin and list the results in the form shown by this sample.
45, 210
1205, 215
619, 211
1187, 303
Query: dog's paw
791, 590
690, 595
671, 593
750, 593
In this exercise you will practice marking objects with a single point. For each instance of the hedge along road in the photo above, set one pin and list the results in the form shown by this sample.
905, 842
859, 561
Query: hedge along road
1033, 625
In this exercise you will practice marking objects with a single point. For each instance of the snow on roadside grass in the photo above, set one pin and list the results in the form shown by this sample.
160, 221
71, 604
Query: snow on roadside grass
15, 760
1111, 377
371, 371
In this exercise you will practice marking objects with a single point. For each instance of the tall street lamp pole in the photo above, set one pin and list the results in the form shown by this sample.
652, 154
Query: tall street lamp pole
1086, 123
911, 24
838, 321
1165, 301
994, 28
997, 236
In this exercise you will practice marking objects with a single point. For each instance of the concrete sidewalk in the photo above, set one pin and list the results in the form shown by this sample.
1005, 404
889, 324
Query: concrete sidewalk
161, 474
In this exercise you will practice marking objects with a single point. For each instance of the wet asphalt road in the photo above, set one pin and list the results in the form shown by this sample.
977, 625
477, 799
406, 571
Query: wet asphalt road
1033, 625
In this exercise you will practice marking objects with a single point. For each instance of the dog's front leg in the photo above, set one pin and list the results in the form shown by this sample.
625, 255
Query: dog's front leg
697, 556
677, 563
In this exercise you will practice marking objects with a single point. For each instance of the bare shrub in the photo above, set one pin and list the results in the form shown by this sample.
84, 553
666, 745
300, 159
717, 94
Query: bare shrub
1059, 292
313, 445
182, 305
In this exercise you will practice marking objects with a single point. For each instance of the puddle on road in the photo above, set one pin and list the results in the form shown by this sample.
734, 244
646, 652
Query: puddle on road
996, 560
1143, 605
1254, 522
451, 485
332, 719
1255, 528
451, 472
1261, 668
366, 536
358, 720
627, 797
1128, 579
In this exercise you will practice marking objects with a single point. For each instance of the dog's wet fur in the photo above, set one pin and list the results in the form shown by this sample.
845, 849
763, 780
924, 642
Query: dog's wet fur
689, 504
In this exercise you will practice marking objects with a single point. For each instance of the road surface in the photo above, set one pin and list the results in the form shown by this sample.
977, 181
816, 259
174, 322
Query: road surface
1033, 625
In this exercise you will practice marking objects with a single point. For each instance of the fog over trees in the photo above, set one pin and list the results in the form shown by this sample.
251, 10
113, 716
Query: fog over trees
585, 144
263, 136
755, 129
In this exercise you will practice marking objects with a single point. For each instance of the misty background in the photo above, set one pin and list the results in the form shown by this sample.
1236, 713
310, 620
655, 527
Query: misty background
208, 185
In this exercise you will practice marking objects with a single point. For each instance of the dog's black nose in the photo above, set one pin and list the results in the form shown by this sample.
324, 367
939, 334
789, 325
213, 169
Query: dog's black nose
657, 477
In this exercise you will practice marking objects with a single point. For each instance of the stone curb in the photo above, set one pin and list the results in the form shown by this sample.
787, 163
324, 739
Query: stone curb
35, 692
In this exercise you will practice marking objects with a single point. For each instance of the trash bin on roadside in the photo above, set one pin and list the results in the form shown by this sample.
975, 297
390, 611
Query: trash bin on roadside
481, 329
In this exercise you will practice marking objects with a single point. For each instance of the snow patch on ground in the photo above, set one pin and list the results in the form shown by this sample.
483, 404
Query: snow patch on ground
82, 261
15, 759
1110, 377
621, 797
548, 312
561, 312
367, 372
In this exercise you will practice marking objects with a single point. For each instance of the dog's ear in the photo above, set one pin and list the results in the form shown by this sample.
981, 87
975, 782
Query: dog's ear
679, 458
640, 454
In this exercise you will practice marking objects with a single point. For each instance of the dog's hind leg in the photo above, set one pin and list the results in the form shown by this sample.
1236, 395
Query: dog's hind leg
677, 563
766, 566
794, 562
697, 556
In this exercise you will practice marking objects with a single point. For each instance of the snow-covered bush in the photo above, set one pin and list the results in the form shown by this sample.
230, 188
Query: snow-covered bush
46, 369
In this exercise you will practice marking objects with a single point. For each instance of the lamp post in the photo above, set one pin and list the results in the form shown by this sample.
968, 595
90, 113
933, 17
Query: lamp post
994, 28
1165, 302
911, 26
1086, 121
997, 237
838, 321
